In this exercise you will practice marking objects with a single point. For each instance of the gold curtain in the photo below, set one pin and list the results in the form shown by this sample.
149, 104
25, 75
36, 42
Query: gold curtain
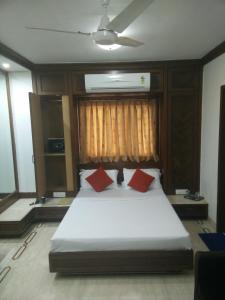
118, 130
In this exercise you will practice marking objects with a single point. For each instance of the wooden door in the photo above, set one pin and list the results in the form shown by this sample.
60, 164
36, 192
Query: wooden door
221, 167
68, 143
38, 143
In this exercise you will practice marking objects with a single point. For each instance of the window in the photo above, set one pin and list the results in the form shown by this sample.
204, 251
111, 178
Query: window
118, 130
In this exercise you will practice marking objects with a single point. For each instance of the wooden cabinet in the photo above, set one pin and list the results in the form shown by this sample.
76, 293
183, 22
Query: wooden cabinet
50, 119
189, 209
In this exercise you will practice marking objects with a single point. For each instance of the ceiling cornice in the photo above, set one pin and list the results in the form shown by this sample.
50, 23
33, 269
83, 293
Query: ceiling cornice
23, 61
16, 57
214, 53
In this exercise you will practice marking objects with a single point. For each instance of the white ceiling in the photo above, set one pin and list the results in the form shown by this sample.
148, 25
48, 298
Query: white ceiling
170, 29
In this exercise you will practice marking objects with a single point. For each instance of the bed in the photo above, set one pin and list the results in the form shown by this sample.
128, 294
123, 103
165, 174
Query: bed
120, 231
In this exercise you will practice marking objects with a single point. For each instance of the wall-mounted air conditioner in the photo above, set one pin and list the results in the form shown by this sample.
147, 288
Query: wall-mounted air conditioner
122, 82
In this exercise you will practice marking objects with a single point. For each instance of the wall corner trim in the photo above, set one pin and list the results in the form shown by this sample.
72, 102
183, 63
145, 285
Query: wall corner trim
214, 53
16, 57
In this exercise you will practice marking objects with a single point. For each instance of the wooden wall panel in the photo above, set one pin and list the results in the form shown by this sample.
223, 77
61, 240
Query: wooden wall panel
52, 83
182, 139
179, 86
184, 126
78, 84
185, 79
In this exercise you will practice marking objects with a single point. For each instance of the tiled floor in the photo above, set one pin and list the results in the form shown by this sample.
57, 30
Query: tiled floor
29, 277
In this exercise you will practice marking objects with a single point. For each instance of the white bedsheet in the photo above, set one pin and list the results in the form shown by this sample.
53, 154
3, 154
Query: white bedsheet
120, 220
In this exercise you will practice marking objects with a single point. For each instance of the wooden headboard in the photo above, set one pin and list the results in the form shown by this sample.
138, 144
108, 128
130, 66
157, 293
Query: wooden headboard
119, 166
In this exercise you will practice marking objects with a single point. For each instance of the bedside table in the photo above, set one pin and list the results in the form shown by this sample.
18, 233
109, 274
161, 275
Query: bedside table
54, 209
189, 209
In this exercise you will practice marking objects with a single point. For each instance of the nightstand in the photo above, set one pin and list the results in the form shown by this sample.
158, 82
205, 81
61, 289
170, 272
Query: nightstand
189, 209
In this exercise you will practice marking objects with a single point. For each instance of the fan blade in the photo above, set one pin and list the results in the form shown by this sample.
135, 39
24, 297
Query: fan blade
128, 15
56, 30
125, 41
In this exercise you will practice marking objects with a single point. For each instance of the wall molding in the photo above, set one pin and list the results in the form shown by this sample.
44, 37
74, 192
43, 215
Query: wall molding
115, 66
214, 53
16, 57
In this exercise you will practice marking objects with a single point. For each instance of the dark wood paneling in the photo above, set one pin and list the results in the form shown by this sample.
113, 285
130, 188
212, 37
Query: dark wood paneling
156, 81
184, 79
184, 127
50, 213
221, 167
120, 262
78, 84
214, 53
183, 130
51, 83
52, 119
55, 174
191, 211
116, 66
111, 262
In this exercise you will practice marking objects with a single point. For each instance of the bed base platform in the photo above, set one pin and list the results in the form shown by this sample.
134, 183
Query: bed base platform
120, 262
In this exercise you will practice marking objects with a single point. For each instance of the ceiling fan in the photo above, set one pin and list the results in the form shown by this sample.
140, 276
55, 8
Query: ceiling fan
107, 31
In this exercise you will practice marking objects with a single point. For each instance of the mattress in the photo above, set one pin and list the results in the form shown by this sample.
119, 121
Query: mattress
120, 220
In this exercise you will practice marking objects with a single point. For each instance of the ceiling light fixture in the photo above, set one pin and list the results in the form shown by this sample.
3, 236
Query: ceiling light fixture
109, 47
6, 65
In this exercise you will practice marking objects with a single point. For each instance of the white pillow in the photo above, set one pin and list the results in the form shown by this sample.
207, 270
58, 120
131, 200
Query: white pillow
85, 173
128, 173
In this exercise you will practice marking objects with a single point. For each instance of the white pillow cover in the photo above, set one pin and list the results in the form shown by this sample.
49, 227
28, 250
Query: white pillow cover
85, 173
128, 173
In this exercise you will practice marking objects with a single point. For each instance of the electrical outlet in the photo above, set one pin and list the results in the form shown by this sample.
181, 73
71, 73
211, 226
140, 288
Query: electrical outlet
181, 191
59, 194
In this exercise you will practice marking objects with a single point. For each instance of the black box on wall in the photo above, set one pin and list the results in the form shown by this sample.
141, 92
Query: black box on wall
56, 145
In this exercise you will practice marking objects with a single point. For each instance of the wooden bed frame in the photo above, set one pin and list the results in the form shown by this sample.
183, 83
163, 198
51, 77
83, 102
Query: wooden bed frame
120, 262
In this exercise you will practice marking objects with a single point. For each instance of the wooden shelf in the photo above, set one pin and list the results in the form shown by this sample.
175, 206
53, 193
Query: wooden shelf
55, 154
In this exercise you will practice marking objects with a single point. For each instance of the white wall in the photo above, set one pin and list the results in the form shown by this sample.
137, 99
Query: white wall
213, 78
7, 180
20, 86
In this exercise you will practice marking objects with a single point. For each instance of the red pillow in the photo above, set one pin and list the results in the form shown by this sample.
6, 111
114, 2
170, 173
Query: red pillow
141, 181
99, 180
